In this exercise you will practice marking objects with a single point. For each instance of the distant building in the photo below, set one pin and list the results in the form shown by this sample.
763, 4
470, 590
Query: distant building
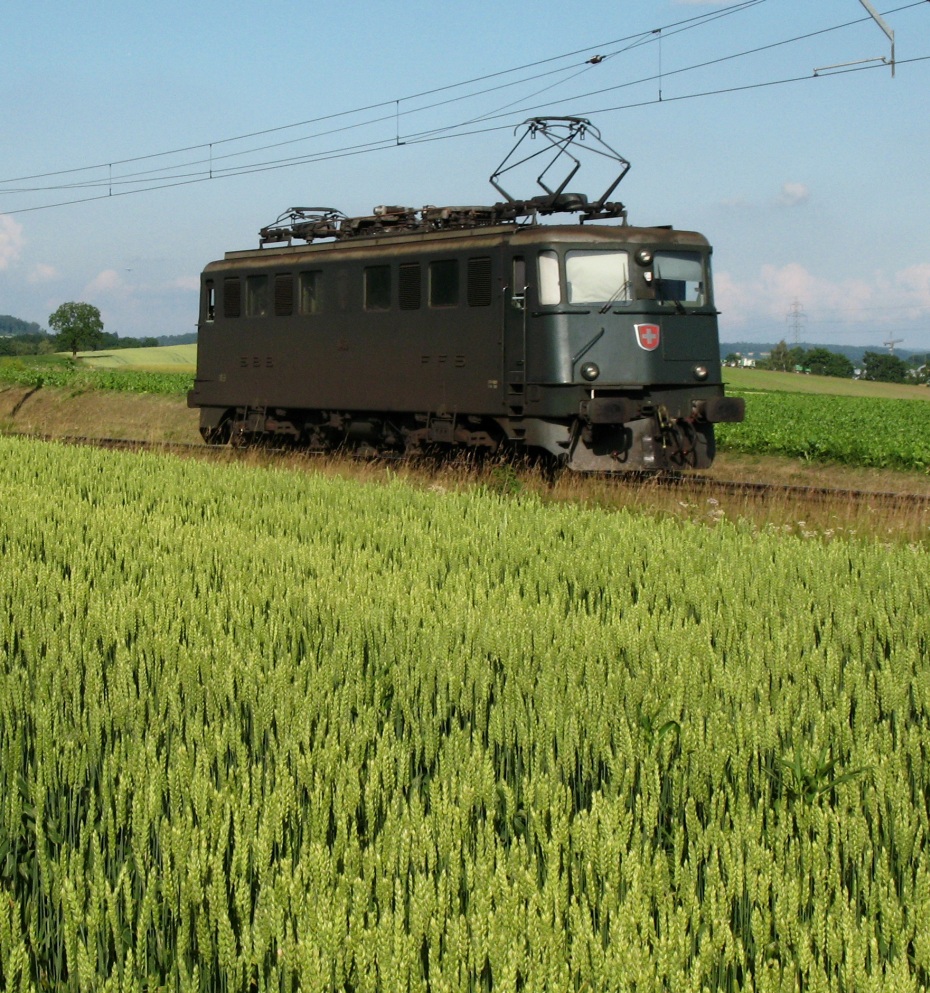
736, 360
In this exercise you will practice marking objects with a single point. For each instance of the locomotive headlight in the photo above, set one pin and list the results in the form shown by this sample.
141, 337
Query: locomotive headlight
700, 372
590, 371
643, 256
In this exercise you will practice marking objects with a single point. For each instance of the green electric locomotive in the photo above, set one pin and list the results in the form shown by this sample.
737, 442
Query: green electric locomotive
488, 327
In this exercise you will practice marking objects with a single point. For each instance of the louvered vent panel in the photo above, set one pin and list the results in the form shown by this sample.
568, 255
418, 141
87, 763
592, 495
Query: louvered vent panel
232, 298
410, 286
479, 282
284, 295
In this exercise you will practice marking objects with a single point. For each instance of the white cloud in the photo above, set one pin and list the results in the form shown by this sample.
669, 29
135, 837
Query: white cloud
186, 283
913, 286
789, 195
792, 194
766, 298
11, 241
105, 283
42, 273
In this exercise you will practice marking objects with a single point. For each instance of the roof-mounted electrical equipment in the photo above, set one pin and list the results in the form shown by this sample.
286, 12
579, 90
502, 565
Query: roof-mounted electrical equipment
558, 135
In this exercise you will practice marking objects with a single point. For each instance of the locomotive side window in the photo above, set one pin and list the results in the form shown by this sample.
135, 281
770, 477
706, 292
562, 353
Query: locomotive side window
256, 296
444, 283
378, 287
308, 290
409, 290
232, 298
284, 295
479, 282
209, 300
550, 287
595, 276
679, 277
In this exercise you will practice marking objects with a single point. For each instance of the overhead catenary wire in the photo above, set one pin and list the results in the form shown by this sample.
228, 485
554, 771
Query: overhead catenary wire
394, 102
383, 144
210, 167
148, 175
395, 114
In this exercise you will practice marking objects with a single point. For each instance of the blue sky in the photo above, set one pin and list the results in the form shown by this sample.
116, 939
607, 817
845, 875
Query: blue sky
813, 192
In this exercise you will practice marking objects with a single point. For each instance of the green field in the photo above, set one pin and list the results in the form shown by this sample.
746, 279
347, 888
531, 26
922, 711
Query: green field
751, 380
822, 418
263, 729
168, 358
135, 375
864, 430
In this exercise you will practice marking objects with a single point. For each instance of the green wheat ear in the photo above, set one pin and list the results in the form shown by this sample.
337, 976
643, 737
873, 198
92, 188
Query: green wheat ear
267, 729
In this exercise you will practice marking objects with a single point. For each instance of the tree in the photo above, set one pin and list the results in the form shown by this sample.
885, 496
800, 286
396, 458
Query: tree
77, 325
823, 362
780, 358
884, 368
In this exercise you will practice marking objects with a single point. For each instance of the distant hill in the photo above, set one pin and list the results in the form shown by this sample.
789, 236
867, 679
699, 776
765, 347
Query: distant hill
854, 353
177, 339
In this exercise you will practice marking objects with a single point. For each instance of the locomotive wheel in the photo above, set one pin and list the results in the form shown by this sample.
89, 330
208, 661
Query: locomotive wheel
218, 435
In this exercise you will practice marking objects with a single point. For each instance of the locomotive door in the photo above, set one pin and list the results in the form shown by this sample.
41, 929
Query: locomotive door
513, 344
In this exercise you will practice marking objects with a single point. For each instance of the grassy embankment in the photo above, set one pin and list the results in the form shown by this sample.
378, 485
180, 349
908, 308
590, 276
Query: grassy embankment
92, 401
129, 393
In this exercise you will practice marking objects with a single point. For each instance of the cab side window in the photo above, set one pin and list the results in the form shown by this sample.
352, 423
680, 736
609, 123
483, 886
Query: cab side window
209, 301
444, 283
378, 287
256, 296
308, 291
550, 285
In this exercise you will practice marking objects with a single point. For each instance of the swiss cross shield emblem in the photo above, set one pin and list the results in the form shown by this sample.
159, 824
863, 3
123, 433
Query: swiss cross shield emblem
647, 335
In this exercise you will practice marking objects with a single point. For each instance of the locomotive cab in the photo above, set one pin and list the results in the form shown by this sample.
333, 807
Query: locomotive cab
618, 331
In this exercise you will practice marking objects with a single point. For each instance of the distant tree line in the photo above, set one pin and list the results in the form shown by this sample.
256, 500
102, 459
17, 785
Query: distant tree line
14, 326
880, 367
75, 329
884, 367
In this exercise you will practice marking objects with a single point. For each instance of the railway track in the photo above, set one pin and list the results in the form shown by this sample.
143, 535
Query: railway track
694, 484
810, 494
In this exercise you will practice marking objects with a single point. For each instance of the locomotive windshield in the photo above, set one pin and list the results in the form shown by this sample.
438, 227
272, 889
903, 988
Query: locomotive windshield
679, 277
597, 276
591, 276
